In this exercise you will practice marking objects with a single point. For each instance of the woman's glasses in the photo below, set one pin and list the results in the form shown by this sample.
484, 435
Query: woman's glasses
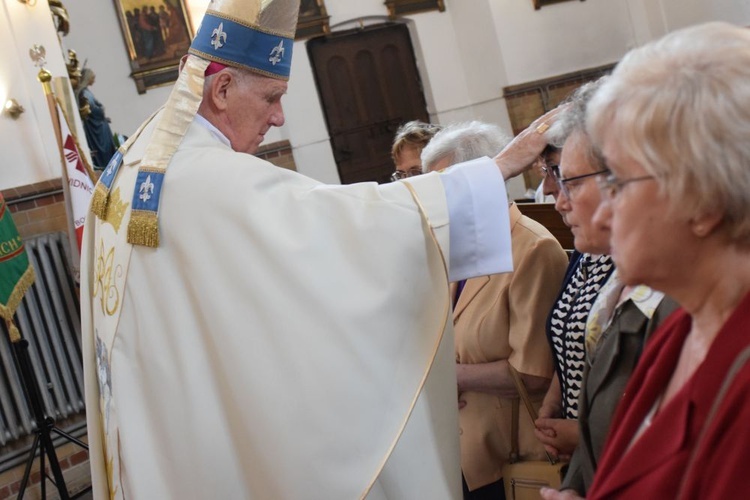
401, 174
610, 186
571, 183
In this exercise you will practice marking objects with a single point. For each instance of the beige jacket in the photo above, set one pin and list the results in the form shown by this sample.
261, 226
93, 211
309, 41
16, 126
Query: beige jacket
503, 317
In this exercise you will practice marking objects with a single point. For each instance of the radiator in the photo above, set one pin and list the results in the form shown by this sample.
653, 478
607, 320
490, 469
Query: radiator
49, 318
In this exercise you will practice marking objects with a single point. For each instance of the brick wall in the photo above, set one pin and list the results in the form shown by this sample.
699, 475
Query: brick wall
278, 153
37, 208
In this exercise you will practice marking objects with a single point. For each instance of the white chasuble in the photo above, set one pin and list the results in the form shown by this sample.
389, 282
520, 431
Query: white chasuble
286, 340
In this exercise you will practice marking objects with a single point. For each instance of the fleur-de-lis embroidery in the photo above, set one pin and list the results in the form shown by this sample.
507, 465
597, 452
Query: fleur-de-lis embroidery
218, 37
146, 189
111, 166
277, 53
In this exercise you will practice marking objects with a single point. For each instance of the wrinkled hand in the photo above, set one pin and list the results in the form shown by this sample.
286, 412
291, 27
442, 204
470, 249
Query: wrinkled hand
553, 494
519, 155
558, 435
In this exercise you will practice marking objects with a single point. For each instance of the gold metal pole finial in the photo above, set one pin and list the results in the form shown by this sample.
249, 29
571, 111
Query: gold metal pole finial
44, 76
38, 54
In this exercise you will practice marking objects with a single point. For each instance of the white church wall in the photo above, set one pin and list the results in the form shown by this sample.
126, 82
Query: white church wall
681, 13
306, 123
29, 148
560, 38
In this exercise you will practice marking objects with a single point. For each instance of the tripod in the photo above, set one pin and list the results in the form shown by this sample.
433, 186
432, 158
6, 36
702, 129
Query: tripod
45, 426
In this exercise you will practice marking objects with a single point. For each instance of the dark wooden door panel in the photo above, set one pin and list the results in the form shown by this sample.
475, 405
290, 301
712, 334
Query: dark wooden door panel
369, 85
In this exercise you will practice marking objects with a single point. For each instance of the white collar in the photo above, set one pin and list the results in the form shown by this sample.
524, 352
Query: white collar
211, 128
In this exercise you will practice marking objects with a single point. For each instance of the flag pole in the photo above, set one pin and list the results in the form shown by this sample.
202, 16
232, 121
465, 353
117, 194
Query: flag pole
45, 78
78, 184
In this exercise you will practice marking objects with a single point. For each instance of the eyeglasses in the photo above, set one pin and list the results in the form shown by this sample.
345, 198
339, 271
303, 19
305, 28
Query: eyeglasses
610, 186
400, 174
552, 171
566, 185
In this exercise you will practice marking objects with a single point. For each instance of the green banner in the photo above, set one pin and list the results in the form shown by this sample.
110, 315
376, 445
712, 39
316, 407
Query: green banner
16, 273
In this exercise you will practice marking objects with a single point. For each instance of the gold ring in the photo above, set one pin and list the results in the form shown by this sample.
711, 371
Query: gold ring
542, 128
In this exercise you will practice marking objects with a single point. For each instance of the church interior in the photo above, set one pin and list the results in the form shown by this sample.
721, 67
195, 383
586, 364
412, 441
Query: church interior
504, 62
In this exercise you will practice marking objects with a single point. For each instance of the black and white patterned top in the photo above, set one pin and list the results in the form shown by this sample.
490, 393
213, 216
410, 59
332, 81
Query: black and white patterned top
568, 325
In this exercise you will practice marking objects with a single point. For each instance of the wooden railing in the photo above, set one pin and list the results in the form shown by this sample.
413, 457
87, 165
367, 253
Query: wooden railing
546, 215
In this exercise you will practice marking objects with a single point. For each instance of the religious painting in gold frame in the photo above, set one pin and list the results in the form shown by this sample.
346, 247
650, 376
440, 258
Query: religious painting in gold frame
538, 4
313, 19
157, 34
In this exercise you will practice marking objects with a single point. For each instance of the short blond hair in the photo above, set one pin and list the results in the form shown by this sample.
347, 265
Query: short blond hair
414, 133
680, 108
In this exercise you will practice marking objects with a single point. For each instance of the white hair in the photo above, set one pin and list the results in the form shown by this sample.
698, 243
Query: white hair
572, 120
463, 142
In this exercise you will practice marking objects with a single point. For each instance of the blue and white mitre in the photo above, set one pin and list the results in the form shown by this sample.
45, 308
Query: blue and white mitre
256, 35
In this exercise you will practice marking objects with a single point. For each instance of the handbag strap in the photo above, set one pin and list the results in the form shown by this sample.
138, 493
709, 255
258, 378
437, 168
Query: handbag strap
737, 365
524, 394
514, 433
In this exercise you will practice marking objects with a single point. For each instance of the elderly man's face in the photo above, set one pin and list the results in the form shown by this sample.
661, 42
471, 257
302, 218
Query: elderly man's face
253, 107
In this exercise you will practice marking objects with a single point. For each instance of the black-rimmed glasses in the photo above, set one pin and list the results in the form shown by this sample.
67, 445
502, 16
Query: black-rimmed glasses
610, 186
565, 185
401, 174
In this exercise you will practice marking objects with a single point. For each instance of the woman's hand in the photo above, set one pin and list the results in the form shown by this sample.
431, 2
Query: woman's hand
558, 435
552, 404
553, 494
549, 411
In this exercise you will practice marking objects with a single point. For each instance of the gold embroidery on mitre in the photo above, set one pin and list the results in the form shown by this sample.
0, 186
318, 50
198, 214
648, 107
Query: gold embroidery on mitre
105, 280
115, 210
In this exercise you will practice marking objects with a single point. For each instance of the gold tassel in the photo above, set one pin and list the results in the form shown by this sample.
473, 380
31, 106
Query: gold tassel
143, 228
13, 332
7, 311
99, 200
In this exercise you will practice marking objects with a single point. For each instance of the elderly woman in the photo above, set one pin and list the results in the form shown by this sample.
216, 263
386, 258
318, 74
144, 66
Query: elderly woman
499, 321
576, 200
673, 126
599, 324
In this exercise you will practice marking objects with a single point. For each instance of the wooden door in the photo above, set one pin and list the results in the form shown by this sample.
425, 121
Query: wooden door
369, 85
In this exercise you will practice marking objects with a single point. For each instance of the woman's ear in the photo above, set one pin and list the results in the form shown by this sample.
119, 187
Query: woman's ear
705, 224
